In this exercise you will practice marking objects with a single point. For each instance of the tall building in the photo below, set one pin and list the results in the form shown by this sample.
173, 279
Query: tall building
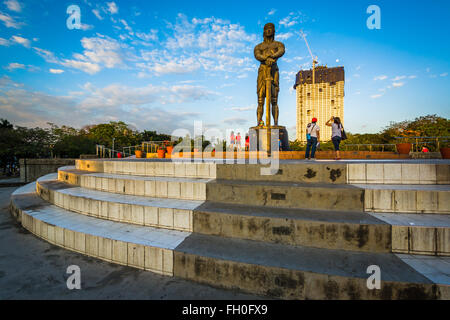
322, 99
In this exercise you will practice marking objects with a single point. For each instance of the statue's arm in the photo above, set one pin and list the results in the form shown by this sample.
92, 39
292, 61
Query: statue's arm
259, 54
280, 52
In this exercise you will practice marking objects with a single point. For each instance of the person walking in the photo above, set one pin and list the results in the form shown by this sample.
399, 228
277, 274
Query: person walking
312, 137
336, 134
238, 141
232, 140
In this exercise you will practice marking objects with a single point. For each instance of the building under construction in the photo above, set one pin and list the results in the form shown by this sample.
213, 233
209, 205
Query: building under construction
320, 95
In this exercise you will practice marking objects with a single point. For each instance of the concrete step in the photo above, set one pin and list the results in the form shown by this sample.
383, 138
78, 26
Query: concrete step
136, 246
150, 186
406, 198
300, 171
275, 270
337, 197
346, 230
425, 234
156, 212
359, 231
150, 167
294, 272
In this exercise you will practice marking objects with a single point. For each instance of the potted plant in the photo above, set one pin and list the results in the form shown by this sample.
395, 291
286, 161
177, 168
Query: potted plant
404, 146
445, 149
138, 153
161, 152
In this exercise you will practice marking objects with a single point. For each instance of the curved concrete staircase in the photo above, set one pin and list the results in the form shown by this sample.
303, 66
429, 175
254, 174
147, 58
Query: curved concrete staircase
308, 232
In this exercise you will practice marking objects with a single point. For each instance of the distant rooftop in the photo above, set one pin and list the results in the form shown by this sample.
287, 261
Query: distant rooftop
323, 74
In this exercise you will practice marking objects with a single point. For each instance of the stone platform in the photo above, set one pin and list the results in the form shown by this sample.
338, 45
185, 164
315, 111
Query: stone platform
308, 232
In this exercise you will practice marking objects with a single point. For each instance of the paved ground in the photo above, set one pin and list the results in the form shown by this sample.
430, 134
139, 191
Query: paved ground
31, 268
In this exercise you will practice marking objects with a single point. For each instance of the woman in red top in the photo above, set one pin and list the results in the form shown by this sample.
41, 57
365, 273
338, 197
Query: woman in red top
238, 141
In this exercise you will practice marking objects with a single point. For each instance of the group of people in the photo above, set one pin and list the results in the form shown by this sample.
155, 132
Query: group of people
235, 141
313, 136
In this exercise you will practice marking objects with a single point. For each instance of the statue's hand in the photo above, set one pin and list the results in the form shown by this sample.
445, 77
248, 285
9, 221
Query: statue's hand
270, 61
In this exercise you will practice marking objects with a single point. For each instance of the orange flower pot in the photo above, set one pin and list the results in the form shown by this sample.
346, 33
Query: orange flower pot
169, 150
138, 153
445, 153
403, 148
161, 153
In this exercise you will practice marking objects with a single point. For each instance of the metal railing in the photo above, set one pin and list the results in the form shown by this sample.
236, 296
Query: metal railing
371, 147
428, 141
103, 152
146, 146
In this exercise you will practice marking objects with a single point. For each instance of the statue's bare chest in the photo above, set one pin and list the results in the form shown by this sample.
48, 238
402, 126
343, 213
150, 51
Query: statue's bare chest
273, 46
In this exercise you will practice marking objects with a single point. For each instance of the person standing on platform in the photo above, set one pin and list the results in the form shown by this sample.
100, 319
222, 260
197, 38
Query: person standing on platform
336, 134
247, 142
238, 141
312, 137
232, 140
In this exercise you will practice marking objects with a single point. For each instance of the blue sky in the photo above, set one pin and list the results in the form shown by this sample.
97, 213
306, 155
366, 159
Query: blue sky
161, 65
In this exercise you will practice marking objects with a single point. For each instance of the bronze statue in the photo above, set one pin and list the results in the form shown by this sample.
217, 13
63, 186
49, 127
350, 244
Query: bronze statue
268, 52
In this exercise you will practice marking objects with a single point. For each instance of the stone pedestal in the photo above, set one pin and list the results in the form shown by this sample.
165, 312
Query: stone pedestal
268, 139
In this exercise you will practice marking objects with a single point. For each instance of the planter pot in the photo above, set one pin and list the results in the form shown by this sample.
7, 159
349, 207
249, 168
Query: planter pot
403, 148
161, 153
169, 150
445, 153
138, 153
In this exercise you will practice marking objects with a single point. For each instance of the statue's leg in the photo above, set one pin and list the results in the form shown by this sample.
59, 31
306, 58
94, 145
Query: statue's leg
261, 90
275, 90
275, 106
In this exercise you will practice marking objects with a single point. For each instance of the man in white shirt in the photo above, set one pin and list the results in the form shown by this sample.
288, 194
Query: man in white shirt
313, 137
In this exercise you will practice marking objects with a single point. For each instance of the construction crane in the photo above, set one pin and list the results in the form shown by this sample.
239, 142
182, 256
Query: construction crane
314, 60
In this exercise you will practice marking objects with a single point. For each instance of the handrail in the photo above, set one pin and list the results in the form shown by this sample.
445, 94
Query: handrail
147, 146
431, 140
370, 145
104, 152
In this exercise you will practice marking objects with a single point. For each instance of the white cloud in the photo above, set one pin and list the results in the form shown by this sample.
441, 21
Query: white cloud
127, 27
236, 121
9, 21
23, 41
14, 65
397, 78
284, 36
292, 19
272, 12
91, 105
86, 27
46, 55
376, 96
151, 36
398, 84
444, 74
252, 107
112, 8
210, 44
88, 67
4, 42
383, 77
56, 71
96, 12
13, 5
412, 77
